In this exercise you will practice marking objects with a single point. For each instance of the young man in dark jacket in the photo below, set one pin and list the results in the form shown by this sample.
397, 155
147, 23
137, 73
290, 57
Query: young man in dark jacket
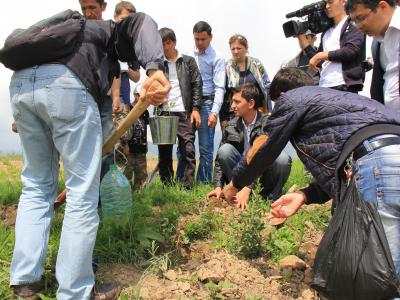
341, 52
184, 101
327, 129
56, 109
236, 140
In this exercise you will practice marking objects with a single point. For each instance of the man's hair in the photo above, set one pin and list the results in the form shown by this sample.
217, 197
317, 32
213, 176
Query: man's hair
287, 79
202, 26
167, 34
100, 2
240, 38
124, 5
249, 91
371, 4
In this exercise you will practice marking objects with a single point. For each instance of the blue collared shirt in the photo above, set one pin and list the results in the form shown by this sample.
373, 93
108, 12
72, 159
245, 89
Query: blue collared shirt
212, 70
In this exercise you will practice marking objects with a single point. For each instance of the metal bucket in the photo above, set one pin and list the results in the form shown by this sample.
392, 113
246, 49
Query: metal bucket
163, 129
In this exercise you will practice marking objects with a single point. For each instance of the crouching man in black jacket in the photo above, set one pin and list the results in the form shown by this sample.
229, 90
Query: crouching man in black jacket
329, 129
236, 140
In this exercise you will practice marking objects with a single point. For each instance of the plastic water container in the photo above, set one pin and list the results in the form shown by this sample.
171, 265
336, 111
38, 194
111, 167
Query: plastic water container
115, 193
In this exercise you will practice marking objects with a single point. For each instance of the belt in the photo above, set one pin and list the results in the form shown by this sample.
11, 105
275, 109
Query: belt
360, 150
211, 97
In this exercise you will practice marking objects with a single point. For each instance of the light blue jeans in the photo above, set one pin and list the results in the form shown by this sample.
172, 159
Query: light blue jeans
206, 144
56, 117
378, 179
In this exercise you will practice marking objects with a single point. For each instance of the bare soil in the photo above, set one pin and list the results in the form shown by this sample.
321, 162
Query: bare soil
232, 277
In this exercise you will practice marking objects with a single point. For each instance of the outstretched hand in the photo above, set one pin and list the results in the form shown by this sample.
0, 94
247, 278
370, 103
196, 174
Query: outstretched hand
229, 192
287, 205
215, 193
242, 198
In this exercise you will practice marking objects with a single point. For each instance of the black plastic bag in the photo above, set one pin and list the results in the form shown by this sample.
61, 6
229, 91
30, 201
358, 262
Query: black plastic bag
353, 260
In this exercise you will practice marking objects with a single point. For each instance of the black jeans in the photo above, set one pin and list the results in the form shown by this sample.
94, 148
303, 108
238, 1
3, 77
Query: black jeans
186, 137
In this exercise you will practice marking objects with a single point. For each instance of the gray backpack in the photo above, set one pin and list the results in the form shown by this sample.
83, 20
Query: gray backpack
46, 41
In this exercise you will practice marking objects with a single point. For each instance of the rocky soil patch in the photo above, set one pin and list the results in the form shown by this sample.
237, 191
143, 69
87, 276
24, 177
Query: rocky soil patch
206, 273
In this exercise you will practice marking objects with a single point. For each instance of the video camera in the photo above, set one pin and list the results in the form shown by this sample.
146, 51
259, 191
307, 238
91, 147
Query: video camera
317, 21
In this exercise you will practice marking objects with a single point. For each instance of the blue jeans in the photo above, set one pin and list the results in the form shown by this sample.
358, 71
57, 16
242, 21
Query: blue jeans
378, 179
272, 180
206, 144
56, 117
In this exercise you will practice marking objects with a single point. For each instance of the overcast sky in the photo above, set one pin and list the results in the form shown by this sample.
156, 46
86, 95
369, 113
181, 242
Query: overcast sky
260, 21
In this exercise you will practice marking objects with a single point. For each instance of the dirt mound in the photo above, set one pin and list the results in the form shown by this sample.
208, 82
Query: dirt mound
222, 276
207, 273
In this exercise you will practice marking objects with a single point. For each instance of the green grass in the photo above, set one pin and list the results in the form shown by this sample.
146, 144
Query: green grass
10, 179
297, 176
10, 182
149, 229
6, 247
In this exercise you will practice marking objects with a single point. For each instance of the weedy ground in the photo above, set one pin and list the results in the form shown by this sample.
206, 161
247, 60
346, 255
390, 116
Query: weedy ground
162, 230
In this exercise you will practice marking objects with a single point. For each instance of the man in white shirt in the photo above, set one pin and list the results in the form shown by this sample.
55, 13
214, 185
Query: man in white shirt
184, 101
341, 52
381, 20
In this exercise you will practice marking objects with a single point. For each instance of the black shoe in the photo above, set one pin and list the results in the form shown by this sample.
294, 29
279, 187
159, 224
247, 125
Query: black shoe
28, 290
107, 291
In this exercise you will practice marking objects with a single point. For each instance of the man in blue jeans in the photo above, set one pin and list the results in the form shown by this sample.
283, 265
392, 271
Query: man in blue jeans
236, 140
212, 70
55, 107
329, 128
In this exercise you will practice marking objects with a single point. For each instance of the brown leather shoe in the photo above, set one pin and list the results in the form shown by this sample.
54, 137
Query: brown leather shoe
28, 291
106, 291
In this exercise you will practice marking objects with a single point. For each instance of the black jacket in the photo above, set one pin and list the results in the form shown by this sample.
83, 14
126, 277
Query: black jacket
324, 126
351, 54
234, 134
190, 82
95, 61
138, 142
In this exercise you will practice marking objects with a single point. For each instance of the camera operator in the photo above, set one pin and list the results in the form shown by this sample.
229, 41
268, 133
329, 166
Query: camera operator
341, 52
301, 60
